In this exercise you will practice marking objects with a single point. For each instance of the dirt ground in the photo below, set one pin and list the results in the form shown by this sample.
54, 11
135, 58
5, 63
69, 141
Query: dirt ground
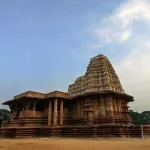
74, 144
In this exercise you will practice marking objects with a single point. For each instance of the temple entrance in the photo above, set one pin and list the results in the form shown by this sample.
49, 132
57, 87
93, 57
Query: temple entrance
40, 107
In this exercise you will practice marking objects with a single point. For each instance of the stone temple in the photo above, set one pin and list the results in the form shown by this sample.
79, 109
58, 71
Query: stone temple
94, 106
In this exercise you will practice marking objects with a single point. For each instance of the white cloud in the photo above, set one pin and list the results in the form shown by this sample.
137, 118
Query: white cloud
134, 72
125, 35
118, 26
134, 67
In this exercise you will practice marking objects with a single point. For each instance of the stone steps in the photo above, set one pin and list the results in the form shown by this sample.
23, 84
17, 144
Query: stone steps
27, 122
80, 131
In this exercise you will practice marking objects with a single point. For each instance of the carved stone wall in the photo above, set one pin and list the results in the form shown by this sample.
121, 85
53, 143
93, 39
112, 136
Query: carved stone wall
99, 77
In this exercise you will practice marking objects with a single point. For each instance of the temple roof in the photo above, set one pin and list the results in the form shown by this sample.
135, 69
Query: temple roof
99, 77
39, 96
58, 94
31, 94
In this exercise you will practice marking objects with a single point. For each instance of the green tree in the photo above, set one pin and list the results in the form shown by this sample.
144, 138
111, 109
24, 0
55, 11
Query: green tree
136, 117
146, 117
140, 118
4, 115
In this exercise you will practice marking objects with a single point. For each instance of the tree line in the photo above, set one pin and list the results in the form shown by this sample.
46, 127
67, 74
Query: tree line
4, 115
140, 118
137, 118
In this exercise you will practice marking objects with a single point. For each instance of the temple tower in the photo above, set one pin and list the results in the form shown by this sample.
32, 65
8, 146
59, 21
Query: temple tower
99, 77
102, 81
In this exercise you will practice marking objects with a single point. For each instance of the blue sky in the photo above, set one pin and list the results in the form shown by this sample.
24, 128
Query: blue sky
45, 45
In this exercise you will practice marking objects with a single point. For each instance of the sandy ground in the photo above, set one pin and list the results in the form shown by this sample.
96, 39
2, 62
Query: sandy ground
74, 144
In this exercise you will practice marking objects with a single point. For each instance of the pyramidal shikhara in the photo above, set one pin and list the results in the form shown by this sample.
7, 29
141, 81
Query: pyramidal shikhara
99, 77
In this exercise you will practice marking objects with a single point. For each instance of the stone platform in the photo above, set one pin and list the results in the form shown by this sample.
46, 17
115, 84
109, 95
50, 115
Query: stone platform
74, 131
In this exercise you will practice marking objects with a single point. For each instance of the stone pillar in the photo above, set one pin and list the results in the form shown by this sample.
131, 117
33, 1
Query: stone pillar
120, 108
102, 106
82, 108
61, 113
34, 108
55, 112
115, 109
49, 112
111, 106
88, 110
74, 110
108, 111
25, 108
78, 108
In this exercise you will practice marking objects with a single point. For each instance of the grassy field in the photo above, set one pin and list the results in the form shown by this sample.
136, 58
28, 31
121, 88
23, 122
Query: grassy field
74, 144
